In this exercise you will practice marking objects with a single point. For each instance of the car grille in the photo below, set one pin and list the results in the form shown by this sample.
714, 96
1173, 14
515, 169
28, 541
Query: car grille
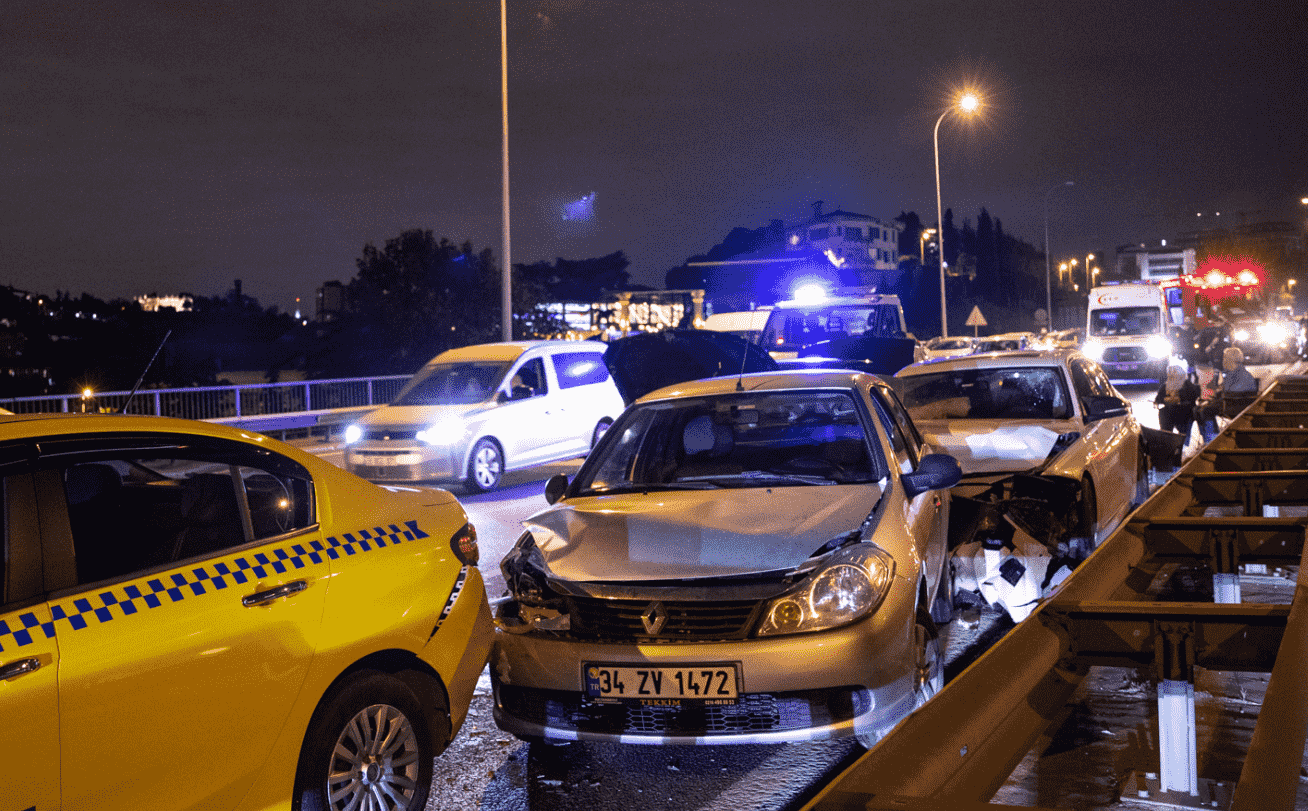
598, 618
755, 712
391, 434
399, 473
1125, 354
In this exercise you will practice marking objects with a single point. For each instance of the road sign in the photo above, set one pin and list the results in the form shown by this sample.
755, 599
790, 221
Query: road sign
975, 318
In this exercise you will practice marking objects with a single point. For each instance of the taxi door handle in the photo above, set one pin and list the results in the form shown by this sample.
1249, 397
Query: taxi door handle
265, 597
20, 668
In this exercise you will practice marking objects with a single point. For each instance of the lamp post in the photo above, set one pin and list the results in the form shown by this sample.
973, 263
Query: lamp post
968, 103
1089, 278
506, 273
922, 241
1049, 291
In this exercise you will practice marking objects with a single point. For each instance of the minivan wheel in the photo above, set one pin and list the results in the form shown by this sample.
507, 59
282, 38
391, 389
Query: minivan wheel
486, 467
369, 746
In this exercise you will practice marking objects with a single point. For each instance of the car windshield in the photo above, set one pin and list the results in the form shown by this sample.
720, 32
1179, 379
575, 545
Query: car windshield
452, 384
1026, 392
950, 343
772, 439
1124, 321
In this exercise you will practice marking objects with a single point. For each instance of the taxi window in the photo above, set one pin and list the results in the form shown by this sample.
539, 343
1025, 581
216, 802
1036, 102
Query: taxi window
133, 511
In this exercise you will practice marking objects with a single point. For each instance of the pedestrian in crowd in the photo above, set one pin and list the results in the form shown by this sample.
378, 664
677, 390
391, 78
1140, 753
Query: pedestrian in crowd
1176, 403
1235, 379
1187, 339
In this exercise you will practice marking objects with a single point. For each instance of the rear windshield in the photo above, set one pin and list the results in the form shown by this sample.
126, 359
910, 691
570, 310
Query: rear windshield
1027, 392
453, 384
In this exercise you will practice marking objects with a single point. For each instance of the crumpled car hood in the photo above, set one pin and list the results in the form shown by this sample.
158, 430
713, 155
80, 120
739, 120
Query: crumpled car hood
985, 446
713, 533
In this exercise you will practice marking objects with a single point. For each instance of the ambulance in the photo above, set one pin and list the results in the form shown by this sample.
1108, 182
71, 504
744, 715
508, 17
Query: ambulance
1127, 331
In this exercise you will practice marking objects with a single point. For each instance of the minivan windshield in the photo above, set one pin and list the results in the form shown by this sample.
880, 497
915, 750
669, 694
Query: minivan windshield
453, 384
1125, 321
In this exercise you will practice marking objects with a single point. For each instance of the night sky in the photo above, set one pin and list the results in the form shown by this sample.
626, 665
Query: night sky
176, 146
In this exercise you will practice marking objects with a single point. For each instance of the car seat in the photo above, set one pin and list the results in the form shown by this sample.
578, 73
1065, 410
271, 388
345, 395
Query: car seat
708, 446
211, 516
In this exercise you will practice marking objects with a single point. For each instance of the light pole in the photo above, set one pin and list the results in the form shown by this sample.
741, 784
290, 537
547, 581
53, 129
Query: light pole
968, 103
1089, 278
922, 241
1049, 291
506, 273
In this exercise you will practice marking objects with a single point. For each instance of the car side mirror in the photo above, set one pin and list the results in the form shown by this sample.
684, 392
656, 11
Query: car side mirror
936, 471
521, 392
1100, 406
555, 486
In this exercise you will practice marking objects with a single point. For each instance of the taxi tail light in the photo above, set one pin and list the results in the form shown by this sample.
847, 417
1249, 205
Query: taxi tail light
464, 544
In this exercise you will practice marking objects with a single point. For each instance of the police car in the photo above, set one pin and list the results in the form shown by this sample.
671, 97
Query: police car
193, 616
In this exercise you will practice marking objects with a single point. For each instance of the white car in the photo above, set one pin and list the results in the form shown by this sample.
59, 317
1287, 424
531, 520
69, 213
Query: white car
1052, 414
476, 412
1005, 341
951, 346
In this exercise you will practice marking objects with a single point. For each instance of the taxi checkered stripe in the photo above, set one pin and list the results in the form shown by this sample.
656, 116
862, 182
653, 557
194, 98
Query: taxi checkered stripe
157, 592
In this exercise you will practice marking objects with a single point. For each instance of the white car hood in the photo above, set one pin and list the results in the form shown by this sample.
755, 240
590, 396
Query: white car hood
701, 533
993, 446
421, 416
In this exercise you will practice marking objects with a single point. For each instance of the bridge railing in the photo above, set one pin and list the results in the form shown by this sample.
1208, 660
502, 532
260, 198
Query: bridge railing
276, 407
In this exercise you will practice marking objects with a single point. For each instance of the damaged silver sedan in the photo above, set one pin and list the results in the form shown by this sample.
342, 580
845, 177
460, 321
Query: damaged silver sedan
746, 559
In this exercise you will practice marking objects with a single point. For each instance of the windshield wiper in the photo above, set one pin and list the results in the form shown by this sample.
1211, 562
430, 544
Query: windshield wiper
645, 488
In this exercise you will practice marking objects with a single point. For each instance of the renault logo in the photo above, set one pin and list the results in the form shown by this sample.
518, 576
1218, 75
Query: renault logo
653, 618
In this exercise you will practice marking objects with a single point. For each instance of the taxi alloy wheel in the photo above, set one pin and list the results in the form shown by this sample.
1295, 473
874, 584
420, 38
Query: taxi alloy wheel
369, 746
929, 667
486, 466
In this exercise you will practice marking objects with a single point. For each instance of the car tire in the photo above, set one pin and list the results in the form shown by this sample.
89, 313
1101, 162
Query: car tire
485, 466
1141, 477
601, 428
1087, 524
929, 659
942, 608
339, 766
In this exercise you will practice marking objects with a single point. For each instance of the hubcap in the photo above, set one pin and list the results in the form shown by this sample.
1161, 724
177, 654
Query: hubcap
486, 467
374, 766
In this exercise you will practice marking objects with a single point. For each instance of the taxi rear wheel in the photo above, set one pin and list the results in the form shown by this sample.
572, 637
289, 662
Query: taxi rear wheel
929, 668
370, 745
486, 467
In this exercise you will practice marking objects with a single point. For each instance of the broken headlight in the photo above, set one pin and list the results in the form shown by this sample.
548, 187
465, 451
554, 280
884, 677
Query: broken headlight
848, 586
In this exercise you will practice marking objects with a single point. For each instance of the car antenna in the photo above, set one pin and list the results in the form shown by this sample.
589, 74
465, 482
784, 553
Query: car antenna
744, 356
140, 379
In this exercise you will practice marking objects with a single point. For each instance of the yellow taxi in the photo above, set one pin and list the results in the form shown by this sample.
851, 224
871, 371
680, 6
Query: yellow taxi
198, 617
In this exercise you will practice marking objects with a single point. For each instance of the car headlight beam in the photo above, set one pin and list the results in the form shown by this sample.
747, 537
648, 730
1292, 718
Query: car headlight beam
849, 586
1093, 350
1158, 347
353, 433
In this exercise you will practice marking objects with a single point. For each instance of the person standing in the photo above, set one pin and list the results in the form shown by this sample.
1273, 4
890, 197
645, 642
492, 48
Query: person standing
1236, 379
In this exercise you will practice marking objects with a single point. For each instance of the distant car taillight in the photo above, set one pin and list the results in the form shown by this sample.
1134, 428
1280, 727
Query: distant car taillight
464, 544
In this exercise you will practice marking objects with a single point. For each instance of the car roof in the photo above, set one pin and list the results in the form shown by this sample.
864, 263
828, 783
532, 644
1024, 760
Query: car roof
509, 350
26, 426
762, 381
1007, 358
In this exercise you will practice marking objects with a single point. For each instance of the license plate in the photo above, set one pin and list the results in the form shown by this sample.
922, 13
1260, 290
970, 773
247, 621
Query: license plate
1128, 367
670, 685
401, 459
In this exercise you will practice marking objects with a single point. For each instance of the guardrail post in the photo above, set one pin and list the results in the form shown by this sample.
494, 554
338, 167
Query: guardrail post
1177, 736
1225, 562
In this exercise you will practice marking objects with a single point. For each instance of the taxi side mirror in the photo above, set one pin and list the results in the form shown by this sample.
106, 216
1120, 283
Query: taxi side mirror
555, 487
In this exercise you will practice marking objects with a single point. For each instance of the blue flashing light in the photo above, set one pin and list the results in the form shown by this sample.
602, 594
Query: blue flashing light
809, 293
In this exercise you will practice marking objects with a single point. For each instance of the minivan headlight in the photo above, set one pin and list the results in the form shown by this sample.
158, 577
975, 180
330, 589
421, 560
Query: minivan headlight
849, 586
1272, 333
353, 433
1158, 347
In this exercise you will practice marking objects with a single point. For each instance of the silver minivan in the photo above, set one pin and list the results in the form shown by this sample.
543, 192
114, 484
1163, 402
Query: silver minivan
476, 412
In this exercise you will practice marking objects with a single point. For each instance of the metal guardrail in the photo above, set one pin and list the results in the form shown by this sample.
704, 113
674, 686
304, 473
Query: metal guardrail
1222, 508
264, 407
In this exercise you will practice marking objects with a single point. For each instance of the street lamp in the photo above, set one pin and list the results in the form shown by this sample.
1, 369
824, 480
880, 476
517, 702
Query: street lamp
506, 273
922, 241
1089, 280
1049, 293
968, 104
